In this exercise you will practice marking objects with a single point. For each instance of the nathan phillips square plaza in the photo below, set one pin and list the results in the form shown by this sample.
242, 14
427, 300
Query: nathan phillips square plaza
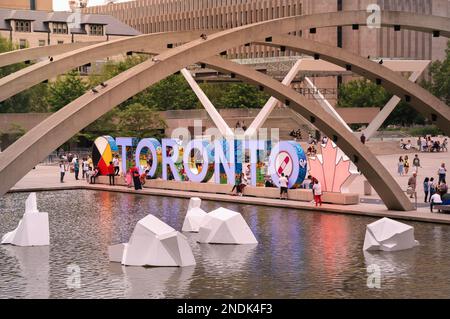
243, 149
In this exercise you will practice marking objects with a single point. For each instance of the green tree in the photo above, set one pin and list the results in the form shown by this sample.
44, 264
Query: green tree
65, 89
364, 93
140, 121
31, 100
171, 93
5, 46
241, 95
113, 67
439, 84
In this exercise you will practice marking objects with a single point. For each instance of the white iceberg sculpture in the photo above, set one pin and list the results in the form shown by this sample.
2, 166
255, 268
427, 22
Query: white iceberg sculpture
33, 228
224, 226
194, 216
389, 235
153, 243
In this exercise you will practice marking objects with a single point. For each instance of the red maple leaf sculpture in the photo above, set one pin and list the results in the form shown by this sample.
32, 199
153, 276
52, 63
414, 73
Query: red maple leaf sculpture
331, 173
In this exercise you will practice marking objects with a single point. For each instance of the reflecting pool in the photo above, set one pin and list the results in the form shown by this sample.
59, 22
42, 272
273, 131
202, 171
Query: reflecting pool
300, 254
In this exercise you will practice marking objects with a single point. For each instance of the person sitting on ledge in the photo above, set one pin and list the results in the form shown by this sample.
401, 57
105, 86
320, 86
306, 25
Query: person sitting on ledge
94, 175
237, 182
143, 177
242, 185
268, 182
435, 199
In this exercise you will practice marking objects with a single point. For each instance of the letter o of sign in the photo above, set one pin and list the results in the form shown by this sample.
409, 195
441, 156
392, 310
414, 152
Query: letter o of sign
202, 146
152, 144
289, 158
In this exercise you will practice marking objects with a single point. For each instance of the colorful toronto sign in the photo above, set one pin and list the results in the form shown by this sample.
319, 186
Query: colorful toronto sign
203, 161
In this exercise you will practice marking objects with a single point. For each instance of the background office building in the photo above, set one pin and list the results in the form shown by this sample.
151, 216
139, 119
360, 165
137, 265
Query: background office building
45, 5
149, 16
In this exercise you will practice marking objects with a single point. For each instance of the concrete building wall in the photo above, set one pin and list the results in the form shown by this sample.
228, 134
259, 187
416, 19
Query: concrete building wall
149, 16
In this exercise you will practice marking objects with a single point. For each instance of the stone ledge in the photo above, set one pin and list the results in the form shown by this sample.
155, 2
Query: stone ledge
304, 195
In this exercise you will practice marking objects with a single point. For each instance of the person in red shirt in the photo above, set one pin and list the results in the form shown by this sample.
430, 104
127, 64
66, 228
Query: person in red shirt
111, 174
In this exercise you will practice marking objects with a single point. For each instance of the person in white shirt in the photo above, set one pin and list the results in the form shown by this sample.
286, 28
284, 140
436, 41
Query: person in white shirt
85, 167
442, 171
317, 189
62, 170
283, 186
116, 164
435, 199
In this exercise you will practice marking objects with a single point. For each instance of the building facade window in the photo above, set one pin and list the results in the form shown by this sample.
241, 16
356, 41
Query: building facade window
23, 26
60, 42
96, 29
41, 43
60, 28
23, 44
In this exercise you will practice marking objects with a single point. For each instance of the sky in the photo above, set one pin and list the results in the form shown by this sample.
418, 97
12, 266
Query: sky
63, 5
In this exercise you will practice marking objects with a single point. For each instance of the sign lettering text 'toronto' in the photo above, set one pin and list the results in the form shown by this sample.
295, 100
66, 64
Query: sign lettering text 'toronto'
203, 161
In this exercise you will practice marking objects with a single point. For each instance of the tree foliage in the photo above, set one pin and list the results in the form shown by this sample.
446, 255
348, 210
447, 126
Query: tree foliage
140, 121
364, 93
30, 100
439, 84
65, 89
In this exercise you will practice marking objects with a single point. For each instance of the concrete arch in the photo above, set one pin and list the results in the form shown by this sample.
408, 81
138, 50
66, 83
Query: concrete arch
28, 54
37, 143
35, 74
419, 98
23, 79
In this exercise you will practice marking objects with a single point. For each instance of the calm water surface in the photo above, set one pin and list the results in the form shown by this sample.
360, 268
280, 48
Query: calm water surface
299, 255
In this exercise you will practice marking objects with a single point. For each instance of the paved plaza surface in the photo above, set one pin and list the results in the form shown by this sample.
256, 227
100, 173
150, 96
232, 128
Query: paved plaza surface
47, 178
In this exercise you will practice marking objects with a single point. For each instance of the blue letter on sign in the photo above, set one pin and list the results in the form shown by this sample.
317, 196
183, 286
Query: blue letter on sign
290, 159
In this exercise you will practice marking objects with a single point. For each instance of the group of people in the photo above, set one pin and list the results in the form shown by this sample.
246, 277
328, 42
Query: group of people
296, 134
241, 181
404, 165
71, 163
427, 144
437, 193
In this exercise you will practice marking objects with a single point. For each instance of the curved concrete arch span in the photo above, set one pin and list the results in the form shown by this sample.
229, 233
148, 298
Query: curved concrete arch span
42, 71
20, 157
28, 54
25, 78
422, 100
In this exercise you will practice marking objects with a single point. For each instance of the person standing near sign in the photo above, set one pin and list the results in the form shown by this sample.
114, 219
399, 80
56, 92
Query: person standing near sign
116, 164
283, 186
136, 178
317, 190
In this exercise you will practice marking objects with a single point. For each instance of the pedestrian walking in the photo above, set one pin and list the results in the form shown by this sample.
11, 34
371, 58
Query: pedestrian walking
62, 171
416, 163
406, 164
76, 167
442, 172
426, 188
412, 182
400, 166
